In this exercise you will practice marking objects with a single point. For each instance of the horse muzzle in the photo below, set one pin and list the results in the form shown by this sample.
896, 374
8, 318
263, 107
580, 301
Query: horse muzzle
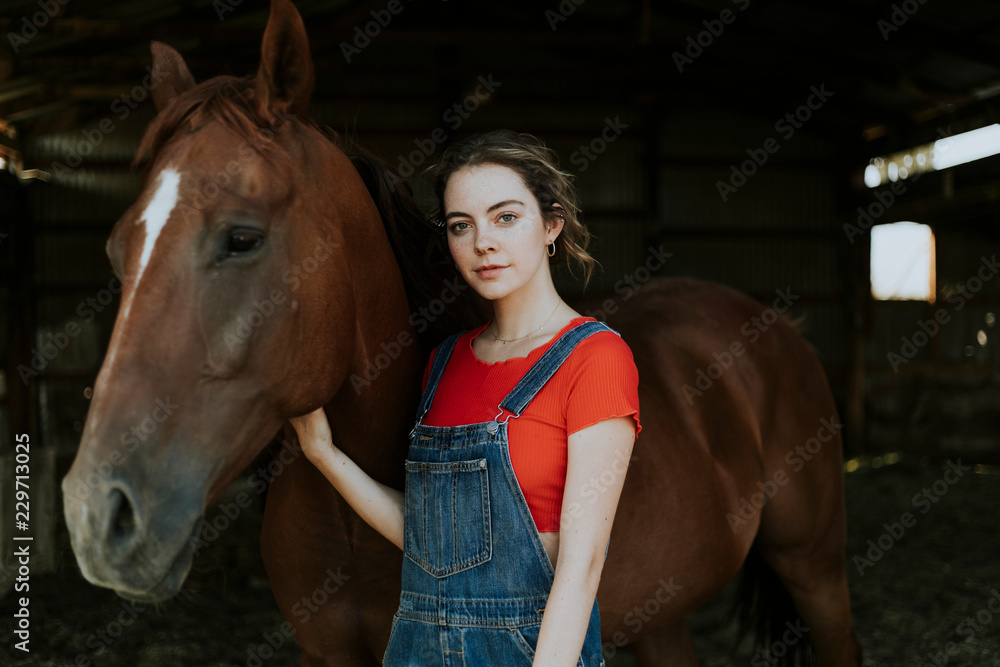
120, 543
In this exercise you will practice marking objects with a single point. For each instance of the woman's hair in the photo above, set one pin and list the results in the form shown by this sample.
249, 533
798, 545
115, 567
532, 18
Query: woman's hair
538, 167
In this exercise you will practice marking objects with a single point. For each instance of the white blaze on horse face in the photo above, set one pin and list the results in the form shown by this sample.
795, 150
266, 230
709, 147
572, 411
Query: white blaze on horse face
155, 216
157, 213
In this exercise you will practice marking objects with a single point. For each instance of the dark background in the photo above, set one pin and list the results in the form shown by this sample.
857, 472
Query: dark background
649, 121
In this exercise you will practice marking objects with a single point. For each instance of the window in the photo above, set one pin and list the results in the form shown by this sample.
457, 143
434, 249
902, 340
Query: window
902, 262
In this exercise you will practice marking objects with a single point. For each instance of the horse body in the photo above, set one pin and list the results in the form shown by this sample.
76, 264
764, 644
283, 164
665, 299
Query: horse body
721, 469
295, 235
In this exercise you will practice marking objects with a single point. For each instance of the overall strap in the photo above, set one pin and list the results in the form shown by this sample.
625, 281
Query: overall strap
533, 381
441, 357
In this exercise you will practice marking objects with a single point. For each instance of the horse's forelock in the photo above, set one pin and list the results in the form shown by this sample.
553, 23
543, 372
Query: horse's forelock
228, 100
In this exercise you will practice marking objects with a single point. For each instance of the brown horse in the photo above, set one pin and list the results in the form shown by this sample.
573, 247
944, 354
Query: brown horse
261, 273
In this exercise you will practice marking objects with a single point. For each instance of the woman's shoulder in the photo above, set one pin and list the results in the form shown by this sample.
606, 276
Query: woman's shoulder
605, 342
603, 352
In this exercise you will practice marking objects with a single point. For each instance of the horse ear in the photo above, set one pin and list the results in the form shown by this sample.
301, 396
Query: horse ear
285, 77
170, 74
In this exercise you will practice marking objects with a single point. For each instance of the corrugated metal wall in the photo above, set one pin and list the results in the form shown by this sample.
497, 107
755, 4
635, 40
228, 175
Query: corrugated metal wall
76, 294
656, 182
776, 230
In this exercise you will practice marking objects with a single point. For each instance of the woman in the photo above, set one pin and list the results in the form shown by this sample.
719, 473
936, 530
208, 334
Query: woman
514, 468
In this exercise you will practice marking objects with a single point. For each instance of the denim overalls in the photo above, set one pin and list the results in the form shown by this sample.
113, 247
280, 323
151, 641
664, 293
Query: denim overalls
475, 574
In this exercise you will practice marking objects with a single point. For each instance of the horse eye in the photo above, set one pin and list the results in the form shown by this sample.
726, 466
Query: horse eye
243, 241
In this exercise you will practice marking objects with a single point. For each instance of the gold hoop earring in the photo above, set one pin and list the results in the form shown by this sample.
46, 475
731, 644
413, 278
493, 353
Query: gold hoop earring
551, 249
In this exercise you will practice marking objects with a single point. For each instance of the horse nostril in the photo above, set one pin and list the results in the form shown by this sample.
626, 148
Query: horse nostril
122, 525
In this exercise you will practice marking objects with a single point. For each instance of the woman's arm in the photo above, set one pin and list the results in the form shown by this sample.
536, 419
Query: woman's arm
379, 505
597, 454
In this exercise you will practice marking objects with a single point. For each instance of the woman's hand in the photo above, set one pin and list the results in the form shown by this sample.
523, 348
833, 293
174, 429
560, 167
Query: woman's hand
313, 430
379, 505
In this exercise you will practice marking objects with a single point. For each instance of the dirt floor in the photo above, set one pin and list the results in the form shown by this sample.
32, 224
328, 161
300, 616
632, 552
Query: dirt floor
924, 601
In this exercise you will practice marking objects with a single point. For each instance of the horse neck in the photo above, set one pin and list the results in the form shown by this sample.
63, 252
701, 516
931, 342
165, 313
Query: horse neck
373, 411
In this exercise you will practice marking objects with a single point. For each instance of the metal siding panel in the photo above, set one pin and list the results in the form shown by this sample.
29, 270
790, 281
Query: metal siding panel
72, 259
774, 198
805, 265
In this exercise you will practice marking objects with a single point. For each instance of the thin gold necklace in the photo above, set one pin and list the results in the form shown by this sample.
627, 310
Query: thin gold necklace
514, 340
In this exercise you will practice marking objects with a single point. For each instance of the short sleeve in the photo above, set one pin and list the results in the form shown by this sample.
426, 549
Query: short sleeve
604, 383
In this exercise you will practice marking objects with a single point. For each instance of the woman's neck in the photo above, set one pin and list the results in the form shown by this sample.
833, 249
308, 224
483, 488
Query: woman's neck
523, 313
531, 323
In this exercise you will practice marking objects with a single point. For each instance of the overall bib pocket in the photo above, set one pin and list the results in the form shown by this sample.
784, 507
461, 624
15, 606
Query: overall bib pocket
447, 516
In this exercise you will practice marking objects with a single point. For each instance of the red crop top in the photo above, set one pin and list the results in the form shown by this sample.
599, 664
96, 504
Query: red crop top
597, 381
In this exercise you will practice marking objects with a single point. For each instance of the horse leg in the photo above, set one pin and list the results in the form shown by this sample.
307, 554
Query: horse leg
665, 647
817, 583
803, 538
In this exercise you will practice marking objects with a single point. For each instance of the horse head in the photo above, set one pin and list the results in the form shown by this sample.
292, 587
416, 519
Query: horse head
240, 263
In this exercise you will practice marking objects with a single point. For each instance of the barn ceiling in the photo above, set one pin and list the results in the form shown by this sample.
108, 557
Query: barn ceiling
895, 70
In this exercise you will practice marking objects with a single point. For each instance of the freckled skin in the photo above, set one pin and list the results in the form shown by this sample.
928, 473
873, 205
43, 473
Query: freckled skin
513, 236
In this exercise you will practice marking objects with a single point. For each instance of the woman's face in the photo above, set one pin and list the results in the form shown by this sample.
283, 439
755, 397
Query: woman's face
496, 232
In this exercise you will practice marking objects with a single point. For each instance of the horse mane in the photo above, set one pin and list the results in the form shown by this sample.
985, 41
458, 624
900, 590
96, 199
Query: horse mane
418, 245
421, 252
